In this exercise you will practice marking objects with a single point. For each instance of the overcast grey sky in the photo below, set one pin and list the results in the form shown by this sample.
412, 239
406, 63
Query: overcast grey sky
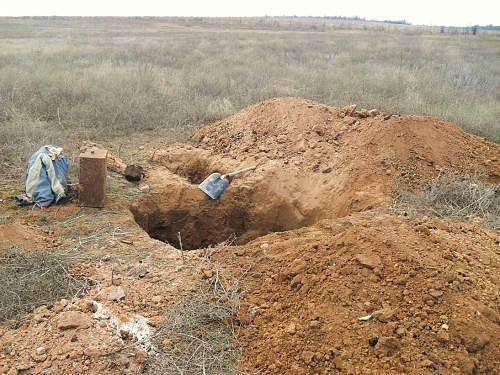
432, 12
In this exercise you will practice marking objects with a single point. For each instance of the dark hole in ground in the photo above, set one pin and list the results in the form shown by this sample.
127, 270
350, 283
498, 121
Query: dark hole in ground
237, 217
210, 225
199, 230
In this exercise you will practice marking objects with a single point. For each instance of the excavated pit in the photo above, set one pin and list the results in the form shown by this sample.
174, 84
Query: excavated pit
182, 209
313, 162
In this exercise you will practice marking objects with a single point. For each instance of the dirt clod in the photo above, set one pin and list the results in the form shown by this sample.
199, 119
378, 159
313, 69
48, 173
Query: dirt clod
73, 319
369, 261
388, 346
133, 172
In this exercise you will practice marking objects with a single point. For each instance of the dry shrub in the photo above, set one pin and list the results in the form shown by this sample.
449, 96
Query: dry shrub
199, 341
197, 337
31, 279
456, 196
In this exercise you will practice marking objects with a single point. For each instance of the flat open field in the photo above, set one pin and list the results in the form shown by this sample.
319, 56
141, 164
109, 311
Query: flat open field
66, 79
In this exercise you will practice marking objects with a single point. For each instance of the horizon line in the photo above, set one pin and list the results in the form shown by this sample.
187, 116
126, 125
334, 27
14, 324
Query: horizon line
402, 22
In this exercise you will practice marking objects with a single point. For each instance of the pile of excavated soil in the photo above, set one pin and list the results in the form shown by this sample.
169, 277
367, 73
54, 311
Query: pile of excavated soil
427, 288
372, 148
313, 162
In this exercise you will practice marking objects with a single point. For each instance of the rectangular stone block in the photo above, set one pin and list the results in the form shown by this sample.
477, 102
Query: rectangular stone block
93, 177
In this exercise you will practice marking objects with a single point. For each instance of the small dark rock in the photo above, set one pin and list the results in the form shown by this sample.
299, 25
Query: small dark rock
372, 341
133, 172
316, 167
327, 170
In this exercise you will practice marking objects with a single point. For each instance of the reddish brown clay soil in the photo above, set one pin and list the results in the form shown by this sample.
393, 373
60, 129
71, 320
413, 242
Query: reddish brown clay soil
430, 287
136, 278
16, 235
324, 178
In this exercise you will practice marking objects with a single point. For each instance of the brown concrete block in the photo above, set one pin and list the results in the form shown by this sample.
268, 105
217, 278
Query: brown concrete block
93, 177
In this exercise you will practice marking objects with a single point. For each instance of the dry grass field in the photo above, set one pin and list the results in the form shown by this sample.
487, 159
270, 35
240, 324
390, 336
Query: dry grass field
66, 80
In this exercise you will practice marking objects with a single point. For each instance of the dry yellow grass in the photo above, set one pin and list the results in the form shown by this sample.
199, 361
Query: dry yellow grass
64, 80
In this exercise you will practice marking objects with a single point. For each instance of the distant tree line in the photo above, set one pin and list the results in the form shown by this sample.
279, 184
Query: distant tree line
466, 30
397, 22
489, 27
355, 19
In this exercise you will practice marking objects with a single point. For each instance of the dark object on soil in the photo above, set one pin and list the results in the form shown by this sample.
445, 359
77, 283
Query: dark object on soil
93, 177
215, 184
372, 341
327, 170
23, 200
134, 172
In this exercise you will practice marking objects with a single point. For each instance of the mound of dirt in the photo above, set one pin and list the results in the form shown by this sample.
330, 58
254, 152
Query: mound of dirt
313, 162
369, 144
428, 289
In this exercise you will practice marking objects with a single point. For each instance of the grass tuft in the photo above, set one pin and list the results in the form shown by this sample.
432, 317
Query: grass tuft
199, 336
31, 279
454, 196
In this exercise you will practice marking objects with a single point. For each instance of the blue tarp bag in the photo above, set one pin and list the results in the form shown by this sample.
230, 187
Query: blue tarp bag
46, 179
